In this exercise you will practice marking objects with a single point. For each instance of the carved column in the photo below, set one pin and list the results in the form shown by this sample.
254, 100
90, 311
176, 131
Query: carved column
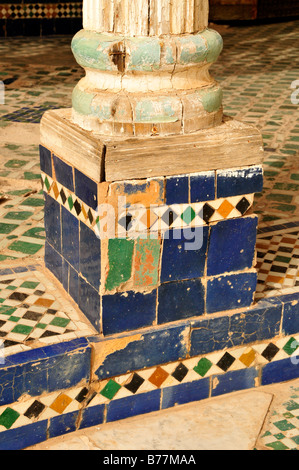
147, 68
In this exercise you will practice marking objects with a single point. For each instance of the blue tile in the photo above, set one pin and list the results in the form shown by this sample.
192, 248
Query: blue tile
92, 416
186, 393
177, 190
238, 182
232, 245
64, 173
62, 424
235, 381
53, 262
73, 284
90, 256
257, 324
20, 269
133, 406
156, 346
290, 324
52, 222
45, 160
47, 369
65, 274
202, 187
86, 189
24, 436
184, 254
180, 300
281, 371
90, 303
129, 311
230, 292
70, 238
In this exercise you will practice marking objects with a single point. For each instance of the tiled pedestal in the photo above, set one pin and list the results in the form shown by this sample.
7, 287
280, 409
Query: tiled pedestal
189, 251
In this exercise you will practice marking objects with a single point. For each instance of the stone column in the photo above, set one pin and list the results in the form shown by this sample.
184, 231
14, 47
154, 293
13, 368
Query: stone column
148, 187
147, 68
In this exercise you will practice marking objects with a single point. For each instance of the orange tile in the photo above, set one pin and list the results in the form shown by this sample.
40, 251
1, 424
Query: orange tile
158, 377
248, 358
275, 279
61, 403
44, 302
225, 209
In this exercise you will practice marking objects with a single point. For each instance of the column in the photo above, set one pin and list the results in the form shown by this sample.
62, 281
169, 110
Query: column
148, 186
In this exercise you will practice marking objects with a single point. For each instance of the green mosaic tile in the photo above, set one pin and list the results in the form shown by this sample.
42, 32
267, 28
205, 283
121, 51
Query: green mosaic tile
292, 405
8, 418
203, 366
30, 285
277, 446
63, 322
5, 310
291, 346
22, 329
7, 228
33, 202
284, 425
24, 247
110, 390
189, 215
18, 215
36, 232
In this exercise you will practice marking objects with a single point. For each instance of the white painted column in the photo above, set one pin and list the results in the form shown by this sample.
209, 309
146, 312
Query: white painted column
147, 68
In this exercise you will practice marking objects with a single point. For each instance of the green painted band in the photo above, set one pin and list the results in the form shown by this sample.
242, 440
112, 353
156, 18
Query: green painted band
147, 110
107, 52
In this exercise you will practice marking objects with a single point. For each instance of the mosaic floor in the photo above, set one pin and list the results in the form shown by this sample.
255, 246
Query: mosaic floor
256, 73
34, 310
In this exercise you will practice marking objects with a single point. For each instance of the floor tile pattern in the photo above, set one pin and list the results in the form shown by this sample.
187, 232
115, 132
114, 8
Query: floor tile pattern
283, 429
33, 311
21, 224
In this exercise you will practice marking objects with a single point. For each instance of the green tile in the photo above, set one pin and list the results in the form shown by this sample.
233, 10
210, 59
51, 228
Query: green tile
22, 329
277, 446
188, 215
7, 228
280, 198
8, 418
292, 405
291, 346
15, 163
32, 201
295, 439
36, 232
110, 390
14, 319
279, 436
18, 215
5, 310
62, 322
24, 247
30, 285
120, 253
28, 175
203, 366
284, 425
42, 326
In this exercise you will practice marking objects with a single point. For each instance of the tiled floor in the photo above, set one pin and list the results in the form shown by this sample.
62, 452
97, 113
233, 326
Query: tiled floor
257, 68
